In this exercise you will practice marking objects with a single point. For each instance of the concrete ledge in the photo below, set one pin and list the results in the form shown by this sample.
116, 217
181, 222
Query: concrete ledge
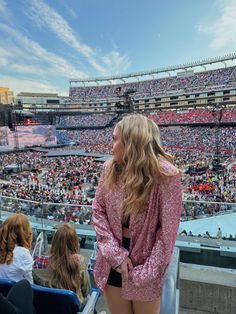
208, 289
208, 274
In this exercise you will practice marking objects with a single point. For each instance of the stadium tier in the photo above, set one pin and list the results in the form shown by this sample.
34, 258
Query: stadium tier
201, 82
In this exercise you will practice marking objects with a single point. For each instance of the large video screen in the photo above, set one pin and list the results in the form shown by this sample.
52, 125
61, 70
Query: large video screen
27, 136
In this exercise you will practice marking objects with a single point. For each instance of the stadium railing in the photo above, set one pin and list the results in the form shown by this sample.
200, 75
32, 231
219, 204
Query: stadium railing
45, 217
49, 214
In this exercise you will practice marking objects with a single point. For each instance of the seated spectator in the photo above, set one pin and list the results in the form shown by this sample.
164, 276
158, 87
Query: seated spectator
207, 235
230, 237
183, 233
15, 242
67, 269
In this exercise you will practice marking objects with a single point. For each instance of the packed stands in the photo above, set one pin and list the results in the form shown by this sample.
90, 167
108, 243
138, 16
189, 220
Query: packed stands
202, 81
192, 116
201, 138
85, 120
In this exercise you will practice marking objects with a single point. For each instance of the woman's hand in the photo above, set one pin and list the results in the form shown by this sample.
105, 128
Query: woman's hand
125, 267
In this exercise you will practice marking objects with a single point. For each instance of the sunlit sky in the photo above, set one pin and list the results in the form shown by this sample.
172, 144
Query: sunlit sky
44, 43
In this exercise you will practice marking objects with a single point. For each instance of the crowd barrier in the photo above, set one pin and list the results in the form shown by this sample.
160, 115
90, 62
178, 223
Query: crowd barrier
47, 216
51, 214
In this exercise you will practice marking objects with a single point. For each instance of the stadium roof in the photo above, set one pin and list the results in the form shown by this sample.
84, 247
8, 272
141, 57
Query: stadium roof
184, 66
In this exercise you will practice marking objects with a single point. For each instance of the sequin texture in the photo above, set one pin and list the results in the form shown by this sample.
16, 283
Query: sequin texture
152, 234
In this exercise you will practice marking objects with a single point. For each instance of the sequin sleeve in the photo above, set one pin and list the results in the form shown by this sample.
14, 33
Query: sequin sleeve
107, 243
169, 207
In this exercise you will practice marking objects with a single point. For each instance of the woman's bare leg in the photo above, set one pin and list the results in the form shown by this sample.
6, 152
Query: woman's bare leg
115, 302
148, 307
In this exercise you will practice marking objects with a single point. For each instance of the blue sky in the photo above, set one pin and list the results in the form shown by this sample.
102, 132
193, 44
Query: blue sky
44, 43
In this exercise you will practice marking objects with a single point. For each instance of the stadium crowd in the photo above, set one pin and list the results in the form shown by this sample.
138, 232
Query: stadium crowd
68, 184
193, 116
160, 117
203, 138
72, 180
84, 120
197, 82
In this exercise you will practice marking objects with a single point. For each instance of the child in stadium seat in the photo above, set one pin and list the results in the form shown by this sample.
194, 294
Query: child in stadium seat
15, 244
67, 269
136, 214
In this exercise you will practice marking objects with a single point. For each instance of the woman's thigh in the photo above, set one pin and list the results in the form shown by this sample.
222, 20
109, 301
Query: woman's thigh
115, 302
147, 307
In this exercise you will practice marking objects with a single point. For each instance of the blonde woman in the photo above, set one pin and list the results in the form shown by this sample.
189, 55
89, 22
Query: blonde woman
67, 269
15, 244
136, 214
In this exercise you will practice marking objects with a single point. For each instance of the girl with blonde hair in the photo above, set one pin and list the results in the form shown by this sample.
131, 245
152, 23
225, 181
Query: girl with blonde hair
15, 244
67, 268
136, 213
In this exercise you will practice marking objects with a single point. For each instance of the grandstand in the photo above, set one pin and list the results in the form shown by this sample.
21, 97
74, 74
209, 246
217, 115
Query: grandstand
172, 87
195, 107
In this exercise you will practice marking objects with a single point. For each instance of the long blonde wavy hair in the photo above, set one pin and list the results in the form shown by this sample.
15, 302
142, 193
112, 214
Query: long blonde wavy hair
63, 260
15, 230
140, 166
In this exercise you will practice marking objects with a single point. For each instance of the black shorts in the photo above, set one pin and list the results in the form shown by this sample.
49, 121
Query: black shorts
114, 278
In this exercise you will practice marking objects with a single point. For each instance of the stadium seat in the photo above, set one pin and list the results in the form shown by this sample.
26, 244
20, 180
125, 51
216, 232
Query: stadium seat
5, 286
60, 301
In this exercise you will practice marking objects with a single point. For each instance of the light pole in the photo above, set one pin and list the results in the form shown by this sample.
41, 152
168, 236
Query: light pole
14, 128
217, 115
216, 165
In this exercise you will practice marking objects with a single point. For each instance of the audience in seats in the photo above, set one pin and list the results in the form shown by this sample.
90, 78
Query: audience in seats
85, 120
199, 82
192, 116
67, 268
160, 117
15, 244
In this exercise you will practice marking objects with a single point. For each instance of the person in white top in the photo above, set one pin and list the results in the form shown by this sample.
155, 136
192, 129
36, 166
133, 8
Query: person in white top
16, 261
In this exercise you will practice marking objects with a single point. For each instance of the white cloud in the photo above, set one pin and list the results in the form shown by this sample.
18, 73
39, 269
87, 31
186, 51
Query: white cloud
44, 15
5, 52
36, 54
71, 12
3, 61
5, 12
3, 7
41, 70
26, 85
28, 69
117, 62
223, 28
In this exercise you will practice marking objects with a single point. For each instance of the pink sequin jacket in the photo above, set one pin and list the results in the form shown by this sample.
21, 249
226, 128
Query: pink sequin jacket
152, 234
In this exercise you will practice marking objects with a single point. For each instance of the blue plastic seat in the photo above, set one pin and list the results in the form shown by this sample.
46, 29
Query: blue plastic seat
5, 286
55, 301
60, 301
